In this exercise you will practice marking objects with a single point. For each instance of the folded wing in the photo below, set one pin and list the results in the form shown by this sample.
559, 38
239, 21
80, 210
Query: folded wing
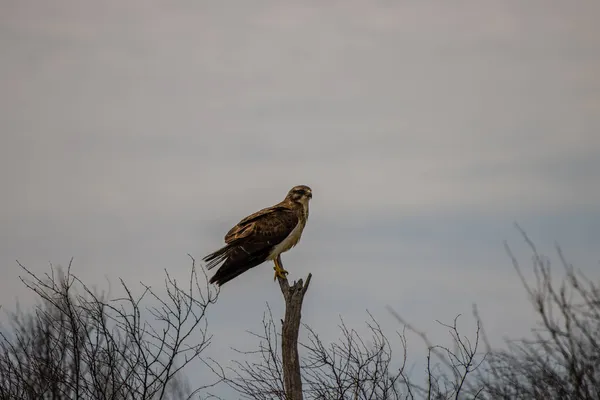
250, 242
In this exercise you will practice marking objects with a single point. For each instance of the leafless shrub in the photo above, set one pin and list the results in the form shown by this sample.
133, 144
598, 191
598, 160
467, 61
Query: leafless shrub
261, 377
79, 345
449, 370
355, 367
562, 360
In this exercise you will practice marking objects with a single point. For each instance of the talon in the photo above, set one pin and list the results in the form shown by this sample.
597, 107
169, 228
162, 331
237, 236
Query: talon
279, 271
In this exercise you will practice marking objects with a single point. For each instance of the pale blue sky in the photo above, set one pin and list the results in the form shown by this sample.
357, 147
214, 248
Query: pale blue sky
134, 132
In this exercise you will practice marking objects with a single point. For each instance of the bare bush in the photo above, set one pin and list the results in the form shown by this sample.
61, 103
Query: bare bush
79, 345
355, 367
562, 360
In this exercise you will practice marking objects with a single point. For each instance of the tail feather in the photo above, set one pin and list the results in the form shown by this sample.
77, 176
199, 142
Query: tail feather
224, 275
236, 260
216, 258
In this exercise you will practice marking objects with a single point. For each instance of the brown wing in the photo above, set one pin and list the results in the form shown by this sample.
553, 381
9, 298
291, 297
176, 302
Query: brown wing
251, 241
275, 221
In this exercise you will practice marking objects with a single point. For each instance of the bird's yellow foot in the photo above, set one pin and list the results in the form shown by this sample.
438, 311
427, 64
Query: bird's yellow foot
280, 273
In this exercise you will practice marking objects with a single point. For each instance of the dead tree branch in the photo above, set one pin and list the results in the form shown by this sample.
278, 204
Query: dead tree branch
293, 296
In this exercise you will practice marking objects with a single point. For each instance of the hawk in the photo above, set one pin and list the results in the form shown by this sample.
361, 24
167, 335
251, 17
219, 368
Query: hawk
262, 236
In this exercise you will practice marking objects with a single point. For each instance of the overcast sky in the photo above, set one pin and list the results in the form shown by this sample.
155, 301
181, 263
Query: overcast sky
134, 132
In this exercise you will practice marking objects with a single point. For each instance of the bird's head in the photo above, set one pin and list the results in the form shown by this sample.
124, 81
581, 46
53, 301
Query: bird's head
300, 194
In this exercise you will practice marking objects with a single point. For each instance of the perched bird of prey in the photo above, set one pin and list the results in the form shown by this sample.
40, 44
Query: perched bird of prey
262, 236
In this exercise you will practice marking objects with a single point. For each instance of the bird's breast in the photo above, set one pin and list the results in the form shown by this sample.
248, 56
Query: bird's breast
290, 241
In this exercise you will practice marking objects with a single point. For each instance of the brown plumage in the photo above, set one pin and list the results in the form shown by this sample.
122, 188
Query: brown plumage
262, 236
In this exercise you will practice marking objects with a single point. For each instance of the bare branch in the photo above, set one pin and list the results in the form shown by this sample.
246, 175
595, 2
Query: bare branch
77, 344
